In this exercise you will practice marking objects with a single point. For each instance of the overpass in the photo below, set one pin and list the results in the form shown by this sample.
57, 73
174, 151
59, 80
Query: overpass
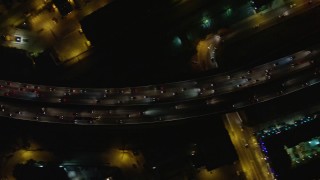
219, 93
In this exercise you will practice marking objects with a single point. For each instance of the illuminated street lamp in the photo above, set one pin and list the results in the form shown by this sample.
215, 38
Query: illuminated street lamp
206, 22
176, 41
228, 12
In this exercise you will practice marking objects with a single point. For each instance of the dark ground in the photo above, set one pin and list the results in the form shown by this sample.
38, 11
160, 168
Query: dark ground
162, 145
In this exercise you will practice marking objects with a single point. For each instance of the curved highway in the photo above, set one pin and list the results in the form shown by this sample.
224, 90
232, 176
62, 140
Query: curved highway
160, 103
152, 113
171, 92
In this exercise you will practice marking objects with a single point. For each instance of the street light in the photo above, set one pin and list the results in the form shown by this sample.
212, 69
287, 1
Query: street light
206, 21
228, 12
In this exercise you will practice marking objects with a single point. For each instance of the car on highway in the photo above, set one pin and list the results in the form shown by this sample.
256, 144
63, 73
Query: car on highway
18, 39
83, 120
293, 5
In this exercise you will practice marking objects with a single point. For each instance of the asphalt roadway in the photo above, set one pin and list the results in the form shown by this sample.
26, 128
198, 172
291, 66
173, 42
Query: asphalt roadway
306, 74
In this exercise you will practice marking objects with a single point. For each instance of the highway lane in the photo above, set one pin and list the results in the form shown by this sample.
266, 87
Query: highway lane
117, 115
162, 93
179, 106
289, 86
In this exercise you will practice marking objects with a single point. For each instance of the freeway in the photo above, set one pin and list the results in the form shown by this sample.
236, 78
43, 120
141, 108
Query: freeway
172, 92
164, 112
